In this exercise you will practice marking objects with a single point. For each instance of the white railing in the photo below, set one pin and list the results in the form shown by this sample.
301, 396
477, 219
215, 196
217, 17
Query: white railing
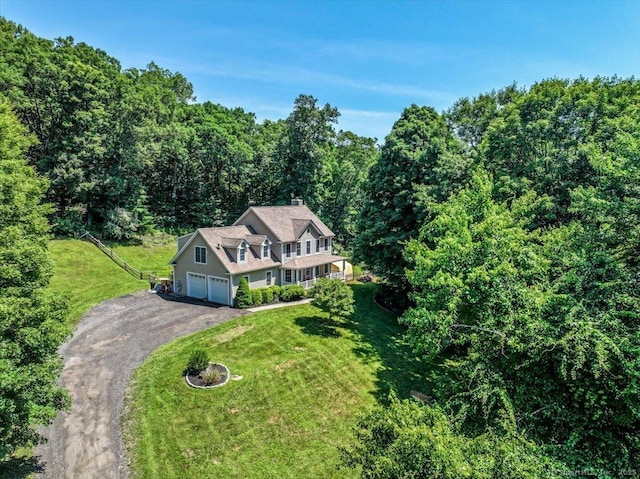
310, 282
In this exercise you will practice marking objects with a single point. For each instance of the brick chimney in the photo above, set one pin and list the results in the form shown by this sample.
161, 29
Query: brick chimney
297, 202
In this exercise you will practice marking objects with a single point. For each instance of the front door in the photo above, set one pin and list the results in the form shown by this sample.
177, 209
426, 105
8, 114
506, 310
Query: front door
307, 274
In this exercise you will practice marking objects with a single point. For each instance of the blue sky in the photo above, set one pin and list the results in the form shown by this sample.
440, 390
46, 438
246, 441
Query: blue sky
370, 59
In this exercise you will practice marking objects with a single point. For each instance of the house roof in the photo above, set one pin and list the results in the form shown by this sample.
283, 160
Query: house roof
287, 223
225, 240
311, 261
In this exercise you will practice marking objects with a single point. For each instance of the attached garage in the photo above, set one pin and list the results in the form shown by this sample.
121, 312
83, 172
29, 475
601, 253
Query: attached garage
218, 290
196, 285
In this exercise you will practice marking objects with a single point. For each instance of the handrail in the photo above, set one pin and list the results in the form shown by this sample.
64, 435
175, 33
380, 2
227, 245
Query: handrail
142, 275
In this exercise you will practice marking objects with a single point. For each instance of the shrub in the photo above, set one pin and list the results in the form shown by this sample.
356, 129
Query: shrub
211, 376
198, 361
267, 295
120, 224
256, 297
292, 292
277, 291
69, 223
243, 295
333, 296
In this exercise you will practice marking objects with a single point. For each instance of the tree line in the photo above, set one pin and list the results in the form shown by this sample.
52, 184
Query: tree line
126, 151
511, 226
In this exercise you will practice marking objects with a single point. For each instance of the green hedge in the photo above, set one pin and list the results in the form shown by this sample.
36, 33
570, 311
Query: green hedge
292, 292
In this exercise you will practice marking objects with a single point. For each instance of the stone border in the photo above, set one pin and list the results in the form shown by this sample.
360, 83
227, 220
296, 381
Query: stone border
186, 377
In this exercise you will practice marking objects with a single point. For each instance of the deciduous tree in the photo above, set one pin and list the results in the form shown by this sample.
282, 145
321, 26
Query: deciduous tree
32, 325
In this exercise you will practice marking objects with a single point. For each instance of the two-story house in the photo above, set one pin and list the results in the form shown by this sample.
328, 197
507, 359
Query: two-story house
267, 245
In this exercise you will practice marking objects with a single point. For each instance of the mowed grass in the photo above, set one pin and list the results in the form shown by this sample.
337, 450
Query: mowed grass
88, 277
304, 382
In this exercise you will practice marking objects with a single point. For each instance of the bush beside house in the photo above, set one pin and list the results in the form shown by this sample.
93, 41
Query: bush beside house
244, 298
292, 292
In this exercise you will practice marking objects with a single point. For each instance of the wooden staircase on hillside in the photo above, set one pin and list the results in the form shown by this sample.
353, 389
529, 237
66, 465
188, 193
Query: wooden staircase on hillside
141, 275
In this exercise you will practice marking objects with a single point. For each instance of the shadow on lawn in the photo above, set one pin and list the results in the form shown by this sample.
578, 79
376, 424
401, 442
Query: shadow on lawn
20, 467
378, 338
320, 326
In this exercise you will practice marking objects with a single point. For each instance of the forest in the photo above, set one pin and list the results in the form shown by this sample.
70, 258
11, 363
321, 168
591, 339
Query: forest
506, 230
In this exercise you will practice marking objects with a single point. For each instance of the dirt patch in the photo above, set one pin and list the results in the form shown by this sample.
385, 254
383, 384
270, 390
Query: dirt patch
282, 367
422, 397
233, 333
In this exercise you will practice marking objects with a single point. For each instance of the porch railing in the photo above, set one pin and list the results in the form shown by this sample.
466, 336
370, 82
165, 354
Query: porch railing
310, 282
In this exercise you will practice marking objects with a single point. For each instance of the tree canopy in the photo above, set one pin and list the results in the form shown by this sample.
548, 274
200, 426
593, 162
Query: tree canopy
126, 150
523, 272
32, 323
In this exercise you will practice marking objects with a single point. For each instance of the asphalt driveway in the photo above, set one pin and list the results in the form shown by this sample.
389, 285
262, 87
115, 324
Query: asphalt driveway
110, 342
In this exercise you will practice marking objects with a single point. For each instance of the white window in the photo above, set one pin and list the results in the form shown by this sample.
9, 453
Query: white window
298, 248
287, 250
267, 278
326, 269
242, 253
265, 251
200, 255
317, 246
308, 247
287, 276
316, 271
326, 244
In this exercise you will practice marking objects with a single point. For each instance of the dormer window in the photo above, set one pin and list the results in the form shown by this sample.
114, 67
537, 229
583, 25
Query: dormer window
266, 250
242, 253
200, 255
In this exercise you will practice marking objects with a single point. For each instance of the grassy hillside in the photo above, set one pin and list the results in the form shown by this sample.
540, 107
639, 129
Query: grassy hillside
304, 382
89, 277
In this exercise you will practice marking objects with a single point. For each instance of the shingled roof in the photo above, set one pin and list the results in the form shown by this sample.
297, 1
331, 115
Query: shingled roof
287, 222
221, 240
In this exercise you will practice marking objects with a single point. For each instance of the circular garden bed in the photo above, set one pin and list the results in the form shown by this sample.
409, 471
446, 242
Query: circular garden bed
212, 376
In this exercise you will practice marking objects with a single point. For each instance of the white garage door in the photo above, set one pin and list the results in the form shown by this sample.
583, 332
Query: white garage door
196, 285
218, 290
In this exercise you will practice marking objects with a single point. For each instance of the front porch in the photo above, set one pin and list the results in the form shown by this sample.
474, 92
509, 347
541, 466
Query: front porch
310, 282
308, 276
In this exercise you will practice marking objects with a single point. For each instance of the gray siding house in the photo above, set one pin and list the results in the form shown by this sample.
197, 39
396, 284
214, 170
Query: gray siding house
267, 245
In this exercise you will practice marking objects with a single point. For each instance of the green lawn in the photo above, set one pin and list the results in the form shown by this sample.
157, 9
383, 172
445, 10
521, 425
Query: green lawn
89, 277
304, 382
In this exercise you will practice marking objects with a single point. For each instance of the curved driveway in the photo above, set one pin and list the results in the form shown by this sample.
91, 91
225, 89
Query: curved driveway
110, 342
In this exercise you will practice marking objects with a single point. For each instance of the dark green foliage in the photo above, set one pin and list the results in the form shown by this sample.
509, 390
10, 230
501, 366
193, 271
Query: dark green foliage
292, 292
32, 319
198, 361
244, 298
333, 296
421, 162
131, 149
524, 281
412, 440
539, 324
256, 297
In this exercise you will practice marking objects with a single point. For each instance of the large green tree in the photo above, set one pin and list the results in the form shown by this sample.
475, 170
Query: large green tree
32, 325
540, 325
420, 163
